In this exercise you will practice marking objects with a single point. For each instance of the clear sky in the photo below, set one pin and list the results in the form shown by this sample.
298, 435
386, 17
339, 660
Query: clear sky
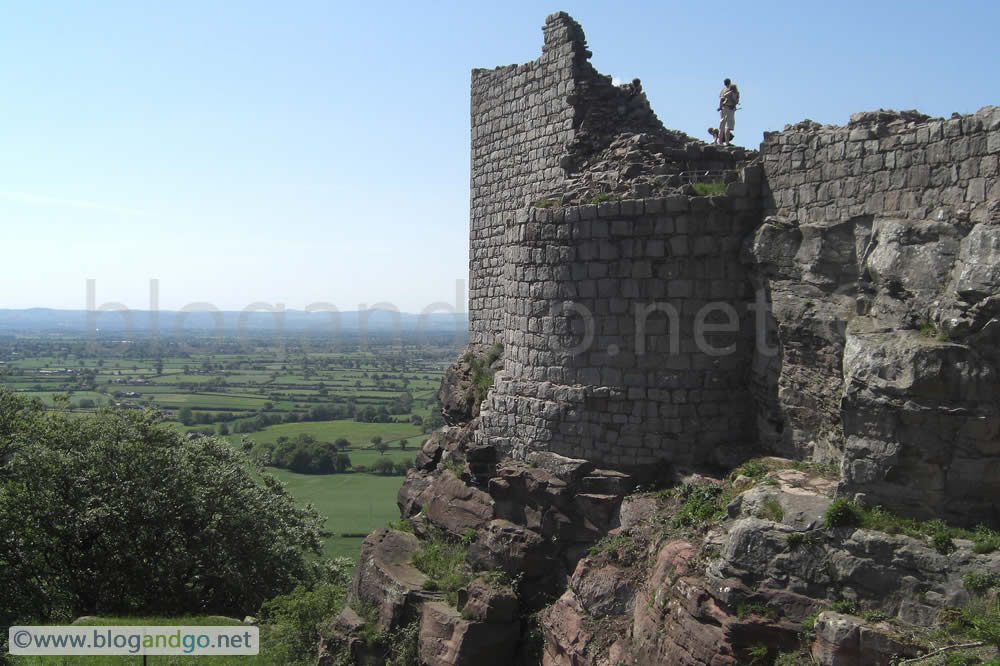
303, 151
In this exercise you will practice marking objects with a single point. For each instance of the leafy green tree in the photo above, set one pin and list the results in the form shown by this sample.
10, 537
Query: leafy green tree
342, 443
186, 416
383, 466
119, 513
342, 462
403, 444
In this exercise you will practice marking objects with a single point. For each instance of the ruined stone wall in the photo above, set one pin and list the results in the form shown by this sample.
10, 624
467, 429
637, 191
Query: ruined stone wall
521, 122
876, 272
530, 124
884, 163
874, 248
602, 357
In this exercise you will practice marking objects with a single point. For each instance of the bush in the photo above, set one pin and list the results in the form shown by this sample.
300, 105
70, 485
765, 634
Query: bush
753, 469
772, 510
981, 582
745, 609
842, 512
702, 502
443, 560
709, 189
942, 542
846, 606
874, 615
295, 622
482, 374
985, 540
119, 513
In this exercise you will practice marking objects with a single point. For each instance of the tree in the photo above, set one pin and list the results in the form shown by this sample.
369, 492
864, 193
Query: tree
383, 466
381, 447
341, 463
376, 440
403, 444
342, 444
186, 416
119, 513
223, 429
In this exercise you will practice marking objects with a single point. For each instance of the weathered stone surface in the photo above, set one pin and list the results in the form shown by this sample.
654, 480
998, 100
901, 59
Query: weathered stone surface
455, 506
448, 640
345, 639
569, 470
636, 511
603, 590
512, 548
566, 637
412, 494
453, 395
386, 579
482, 602
447, 501
846, 640
803, 498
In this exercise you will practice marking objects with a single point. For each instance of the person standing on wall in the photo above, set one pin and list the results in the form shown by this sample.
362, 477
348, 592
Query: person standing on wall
729, 97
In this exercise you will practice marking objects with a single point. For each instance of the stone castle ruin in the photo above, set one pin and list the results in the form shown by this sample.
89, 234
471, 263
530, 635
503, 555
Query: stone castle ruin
667, 305
836, 298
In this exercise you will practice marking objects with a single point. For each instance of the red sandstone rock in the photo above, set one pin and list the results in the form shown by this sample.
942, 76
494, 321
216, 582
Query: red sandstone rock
386, 579
448, 640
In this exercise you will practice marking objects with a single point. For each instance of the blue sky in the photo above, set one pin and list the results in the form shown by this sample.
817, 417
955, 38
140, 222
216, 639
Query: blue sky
299, 152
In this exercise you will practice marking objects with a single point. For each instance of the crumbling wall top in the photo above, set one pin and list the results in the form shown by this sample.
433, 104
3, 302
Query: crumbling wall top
561, 29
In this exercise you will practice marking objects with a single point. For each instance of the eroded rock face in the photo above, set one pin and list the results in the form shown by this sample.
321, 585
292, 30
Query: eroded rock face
845, 640
887, 359
386, 579
880, 266
448, 640
456, 407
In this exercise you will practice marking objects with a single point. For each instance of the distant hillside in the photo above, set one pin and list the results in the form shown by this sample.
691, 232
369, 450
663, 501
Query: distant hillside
168, 322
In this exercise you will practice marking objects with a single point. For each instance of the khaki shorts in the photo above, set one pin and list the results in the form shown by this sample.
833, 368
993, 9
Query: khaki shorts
727, 119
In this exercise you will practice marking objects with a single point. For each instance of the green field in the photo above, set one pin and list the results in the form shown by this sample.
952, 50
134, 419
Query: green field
220, 382
358, 434
352, 503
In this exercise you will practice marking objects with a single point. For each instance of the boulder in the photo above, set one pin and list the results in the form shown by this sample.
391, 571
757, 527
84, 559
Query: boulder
846, 640
566, 636
569, 470
482, 602
603, 590
448, 640
456, 506
455, 404
387, 580
512, 548
636, 511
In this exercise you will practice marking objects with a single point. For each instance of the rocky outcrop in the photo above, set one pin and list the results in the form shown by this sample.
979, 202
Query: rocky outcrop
747, 585
446, 639
846, 640
880, 268
883, 363
386, 579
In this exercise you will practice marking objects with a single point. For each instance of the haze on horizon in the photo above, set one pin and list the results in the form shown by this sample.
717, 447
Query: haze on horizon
305, 152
